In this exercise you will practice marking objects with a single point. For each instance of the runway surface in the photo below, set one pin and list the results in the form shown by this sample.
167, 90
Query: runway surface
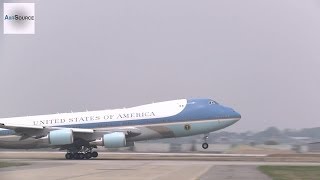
55, 167
167, 156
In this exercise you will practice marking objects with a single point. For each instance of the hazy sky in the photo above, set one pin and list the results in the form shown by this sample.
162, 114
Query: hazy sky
260, 57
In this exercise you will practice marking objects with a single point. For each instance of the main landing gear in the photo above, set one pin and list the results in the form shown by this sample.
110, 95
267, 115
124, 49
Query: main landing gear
84, 153
205, 145
80, 155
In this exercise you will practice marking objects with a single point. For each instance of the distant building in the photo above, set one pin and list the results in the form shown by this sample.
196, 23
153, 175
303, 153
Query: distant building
314, 147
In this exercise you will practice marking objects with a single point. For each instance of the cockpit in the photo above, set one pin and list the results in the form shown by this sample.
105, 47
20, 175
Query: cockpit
212, 102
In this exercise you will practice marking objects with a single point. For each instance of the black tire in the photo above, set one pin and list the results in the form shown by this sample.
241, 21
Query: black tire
68, 156
88, 155
81, 156
94, 154
76, 156
205, 145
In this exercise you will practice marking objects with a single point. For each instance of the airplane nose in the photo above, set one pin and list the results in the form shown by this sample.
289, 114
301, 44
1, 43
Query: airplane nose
237, 115
231, 113
233, 116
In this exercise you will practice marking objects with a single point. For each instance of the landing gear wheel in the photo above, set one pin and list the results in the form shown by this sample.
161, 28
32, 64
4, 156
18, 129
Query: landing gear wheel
88, 155
76, 156
69, 156
81, 156
94, 154
81, 152
205, 145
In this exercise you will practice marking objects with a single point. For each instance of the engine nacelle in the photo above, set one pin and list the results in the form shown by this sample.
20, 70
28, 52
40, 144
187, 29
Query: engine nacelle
60, 137
114, 140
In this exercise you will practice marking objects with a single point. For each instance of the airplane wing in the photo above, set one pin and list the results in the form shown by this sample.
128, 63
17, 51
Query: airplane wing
26, 131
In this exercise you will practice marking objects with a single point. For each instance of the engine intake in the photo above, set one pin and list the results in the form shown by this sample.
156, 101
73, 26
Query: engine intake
60, 137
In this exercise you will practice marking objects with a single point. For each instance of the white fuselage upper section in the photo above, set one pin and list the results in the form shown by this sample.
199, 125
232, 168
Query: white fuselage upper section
149, 111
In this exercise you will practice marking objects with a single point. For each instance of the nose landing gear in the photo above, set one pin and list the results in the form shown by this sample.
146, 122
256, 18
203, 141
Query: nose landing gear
205, 145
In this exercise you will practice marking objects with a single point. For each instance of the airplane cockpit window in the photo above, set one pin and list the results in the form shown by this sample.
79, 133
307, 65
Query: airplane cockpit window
212, 102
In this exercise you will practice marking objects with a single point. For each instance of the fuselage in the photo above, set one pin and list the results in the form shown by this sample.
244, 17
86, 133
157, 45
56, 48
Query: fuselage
167, 119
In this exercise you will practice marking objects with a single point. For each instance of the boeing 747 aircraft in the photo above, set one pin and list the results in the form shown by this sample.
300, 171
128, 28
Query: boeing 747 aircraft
79, 133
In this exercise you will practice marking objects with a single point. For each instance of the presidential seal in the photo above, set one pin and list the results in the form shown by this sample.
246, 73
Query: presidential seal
187, 127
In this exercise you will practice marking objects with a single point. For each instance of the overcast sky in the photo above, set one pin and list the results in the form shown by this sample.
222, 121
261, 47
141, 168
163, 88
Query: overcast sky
260, 57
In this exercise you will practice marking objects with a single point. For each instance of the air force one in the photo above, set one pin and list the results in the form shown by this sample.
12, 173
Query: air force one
79, 133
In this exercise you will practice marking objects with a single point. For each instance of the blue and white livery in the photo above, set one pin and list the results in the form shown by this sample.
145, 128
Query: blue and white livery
79, 133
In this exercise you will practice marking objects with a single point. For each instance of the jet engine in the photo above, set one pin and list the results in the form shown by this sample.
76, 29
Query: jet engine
60, 137
112, 140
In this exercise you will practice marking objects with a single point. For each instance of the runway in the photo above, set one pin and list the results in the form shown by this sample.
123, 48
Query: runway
133, 169
157, 167
54, 155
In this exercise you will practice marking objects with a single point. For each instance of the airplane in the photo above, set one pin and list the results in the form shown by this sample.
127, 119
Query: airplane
79, 133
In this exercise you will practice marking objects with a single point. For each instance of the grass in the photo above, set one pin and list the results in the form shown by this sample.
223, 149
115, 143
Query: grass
9, 164
291, 172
